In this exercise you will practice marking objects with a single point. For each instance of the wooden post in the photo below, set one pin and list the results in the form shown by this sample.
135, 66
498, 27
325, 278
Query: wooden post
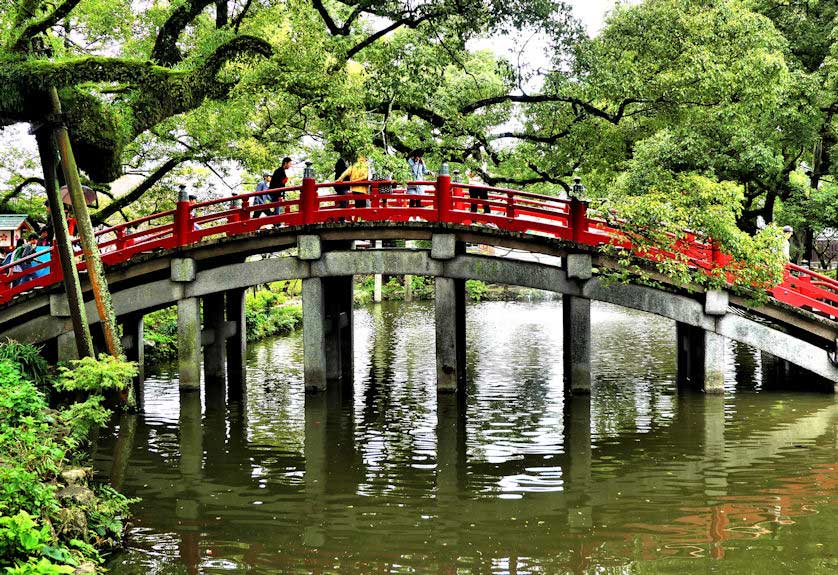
443, 193
183, 225
308, 197
72, 286
578, 219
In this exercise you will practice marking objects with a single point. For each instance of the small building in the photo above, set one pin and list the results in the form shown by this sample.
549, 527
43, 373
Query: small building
12, 227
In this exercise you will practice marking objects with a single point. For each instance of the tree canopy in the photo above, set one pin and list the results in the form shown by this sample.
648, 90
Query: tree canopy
701, 110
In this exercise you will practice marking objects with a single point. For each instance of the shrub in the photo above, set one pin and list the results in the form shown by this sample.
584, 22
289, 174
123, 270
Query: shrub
39, 533
28, 358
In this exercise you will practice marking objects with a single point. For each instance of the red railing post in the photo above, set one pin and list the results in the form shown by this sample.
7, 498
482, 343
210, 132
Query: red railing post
510, 205
578, 219
183, 218
375, 199
244, 214
55, 264
309, 206
443, 194
120, 238
716, 255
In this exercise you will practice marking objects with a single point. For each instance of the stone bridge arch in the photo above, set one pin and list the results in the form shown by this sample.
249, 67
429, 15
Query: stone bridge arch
216, 273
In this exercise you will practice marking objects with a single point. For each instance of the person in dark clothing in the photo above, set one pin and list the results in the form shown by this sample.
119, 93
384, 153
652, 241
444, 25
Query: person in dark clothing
340, 167
25, 251
44, 237
279, 179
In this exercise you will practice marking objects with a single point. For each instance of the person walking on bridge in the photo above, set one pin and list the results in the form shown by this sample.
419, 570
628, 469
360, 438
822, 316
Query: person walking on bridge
279, 179
418, 172
263, 198
358, 172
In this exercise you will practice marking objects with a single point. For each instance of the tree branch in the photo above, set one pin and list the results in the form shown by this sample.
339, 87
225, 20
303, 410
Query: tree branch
136, 193
334, 30
42, 24
166, 51
15, 192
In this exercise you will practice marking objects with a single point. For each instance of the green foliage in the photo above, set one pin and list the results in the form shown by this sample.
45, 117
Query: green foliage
82, 417
38, 532
96, 375
476, 290
266, 313
17, 400
28, 357
661, 204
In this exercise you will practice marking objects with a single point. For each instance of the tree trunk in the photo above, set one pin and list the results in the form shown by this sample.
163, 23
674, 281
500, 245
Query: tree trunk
72, 286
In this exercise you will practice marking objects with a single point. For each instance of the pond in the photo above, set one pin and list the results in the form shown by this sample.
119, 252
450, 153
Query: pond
387, 477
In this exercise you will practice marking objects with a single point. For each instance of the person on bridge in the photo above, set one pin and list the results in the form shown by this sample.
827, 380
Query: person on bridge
358, 172
340, 167
787, 233
279, 179
263, 185
418, 171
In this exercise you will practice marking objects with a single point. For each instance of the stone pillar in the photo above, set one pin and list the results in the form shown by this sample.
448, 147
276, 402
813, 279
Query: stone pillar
189, 343
576, 343
701, 358
133, 343
338, 296
66, 346
714, 362
215, 354
236, 343
314, 337
576, 326
450, 307
408, 288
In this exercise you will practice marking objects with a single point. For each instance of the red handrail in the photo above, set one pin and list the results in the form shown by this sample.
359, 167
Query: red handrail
441, 200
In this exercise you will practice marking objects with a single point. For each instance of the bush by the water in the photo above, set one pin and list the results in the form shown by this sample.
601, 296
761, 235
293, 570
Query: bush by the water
51, 520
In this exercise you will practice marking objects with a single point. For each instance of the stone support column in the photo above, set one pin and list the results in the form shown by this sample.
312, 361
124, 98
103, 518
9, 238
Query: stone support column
133, 343
450, 308
450, 315
236, 343
189, 343
314, 337
576, 327
714, 362
66, 346
576, 342
338, 298
701, 358
215, 354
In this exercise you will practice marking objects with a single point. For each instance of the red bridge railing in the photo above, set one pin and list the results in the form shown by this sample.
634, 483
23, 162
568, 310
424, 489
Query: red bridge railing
442, 200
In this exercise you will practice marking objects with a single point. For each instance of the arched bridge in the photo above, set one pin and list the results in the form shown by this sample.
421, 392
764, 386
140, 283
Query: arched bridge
198, 254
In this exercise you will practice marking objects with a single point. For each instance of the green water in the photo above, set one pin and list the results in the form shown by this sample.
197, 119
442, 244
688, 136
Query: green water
389, 478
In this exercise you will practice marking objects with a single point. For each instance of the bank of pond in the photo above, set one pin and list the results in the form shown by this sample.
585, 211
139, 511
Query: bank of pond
53, 518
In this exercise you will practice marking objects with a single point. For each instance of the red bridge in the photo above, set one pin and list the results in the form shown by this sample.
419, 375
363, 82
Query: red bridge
443, 201
197, 253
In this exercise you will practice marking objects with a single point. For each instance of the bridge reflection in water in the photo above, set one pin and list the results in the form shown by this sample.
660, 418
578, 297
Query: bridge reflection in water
512, 477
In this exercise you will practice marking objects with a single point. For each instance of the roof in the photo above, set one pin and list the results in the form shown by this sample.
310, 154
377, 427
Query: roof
11, 221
